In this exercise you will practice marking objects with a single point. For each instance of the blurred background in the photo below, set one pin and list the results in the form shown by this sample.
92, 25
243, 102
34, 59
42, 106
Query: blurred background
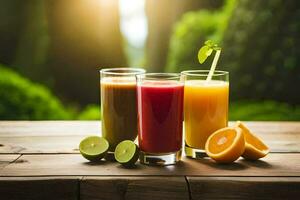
51, 51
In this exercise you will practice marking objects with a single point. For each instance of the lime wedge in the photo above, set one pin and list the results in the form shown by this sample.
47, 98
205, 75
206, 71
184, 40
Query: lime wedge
127, 153
93, 148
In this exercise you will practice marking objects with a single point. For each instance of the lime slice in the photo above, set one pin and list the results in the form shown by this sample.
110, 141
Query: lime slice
93, 148
127, 153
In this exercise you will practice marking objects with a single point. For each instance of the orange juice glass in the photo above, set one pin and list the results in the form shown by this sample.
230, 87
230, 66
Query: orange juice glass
205, 108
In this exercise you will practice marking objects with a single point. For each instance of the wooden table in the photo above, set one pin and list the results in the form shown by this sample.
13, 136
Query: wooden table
40, 160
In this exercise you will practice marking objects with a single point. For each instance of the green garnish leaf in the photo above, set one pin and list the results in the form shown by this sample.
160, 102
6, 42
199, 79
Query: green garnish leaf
216, 48
209, 43
203, 54
208, 53
206, 50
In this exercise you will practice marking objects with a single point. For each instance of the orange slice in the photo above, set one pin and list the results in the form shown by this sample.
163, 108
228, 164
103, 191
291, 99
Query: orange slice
254, 148
225, 145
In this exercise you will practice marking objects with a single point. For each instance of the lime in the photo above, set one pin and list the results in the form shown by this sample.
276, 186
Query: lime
127, 153
93, 148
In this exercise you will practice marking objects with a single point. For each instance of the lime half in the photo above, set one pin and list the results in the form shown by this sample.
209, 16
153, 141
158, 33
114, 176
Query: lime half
93, 148
127, 153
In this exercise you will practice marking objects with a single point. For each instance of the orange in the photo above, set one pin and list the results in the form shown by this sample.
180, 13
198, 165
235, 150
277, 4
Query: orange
254, 148
225, 145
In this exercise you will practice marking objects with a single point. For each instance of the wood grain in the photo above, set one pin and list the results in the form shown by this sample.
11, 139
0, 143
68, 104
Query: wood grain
275, 164
38, 128
118, 188
41, 144
279, 136
272, 126
7, 159
59, 188
45, 136
51, 168
244, 188
38, 137
48, 128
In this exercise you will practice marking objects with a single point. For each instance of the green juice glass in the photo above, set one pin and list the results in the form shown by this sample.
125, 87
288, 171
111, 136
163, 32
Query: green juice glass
118, 104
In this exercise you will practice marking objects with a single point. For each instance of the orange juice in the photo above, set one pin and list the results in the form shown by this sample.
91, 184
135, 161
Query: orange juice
205, 110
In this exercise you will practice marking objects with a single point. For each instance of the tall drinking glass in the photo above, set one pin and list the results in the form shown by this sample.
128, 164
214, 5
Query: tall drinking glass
205, 108
160, 117
118, 104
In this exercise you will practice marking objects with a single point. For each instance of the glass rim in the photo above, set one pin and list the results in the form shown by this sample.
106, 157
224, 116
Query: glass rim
128, 71
159, 76
204, 73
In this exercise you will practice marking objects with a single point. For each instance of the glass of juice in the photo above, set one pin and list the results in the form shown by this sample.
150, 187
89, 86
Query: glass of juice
118, 104
205, 108
160, 117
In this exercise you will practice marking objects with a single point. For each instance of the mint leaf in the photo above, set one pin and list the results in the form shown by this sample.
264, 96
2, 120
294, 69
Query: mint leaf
203, 53
206, 50
209, 43
216, 48
208, 53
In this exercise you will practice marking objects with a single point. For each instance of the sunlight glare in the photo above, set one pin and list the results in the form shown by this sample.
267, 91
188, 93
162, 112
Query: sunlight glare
133, 21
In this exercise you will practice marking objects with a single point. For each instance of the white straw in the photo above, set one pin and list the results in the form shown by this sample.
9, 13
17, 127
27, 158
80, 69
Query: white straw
213, 66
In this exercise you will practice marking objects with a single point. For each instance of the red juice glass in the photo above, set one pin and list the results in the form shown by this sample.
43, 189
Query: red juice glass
160, 117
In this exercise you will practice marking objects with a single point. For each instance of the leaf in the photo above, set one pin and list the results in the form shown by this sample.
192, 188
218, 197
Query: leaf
206, 50
203, 53
208, 53
216, 48
209, 43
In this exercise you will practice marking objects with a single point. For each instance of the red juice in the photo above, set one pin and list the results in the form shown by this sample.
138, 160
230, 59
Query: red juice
160, 116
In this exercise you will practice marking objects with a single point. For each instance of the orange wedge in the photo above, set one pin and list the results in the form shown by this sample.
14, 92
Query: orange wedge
254, 148
225, 145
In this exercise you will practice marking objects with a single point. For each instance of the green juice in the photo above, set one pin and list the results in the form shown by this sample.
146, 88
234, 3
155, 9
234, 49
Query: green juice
118, 109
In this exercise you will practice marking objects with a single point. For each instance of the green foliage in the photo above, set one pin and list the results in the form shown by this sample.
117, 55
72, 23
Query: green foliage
91, 112
190, 33
260, 40
24, 100
263, 111
261, 50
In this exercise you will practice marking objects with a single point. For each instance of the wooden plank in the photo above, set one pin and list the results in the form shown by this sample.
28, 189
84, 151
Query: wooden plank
273, 126
38, 128
118, 188
7, 159
41, 144
244, 188
45, 136
275, 164
279, 136
29, 137
284, 142
48, 128
39, 188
